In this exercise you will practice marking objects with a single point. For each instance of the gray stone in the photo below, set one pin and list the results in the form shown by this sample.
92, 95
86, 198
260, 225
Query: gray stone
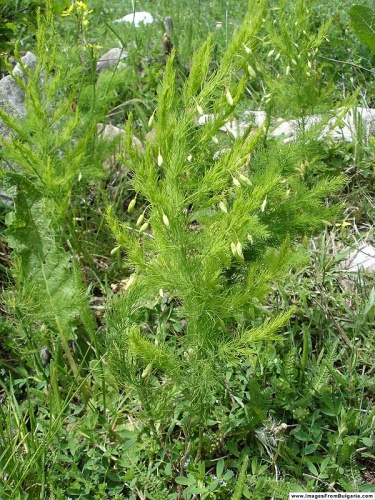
114, 57
12, 96
29, 61
110, 133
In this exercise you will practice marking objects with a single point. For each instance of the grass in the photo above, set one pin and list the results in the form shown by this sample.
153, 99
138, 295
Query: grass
130, 404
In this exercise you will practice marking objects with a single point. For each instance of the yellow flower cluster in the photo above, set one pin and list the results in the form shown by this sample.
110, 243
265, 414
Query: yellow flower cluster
80, 9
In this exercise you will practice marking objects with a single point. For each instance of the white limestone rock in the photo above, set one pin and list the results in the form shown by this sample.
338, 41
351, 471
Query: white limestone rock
137, 18
357, 123
237, 127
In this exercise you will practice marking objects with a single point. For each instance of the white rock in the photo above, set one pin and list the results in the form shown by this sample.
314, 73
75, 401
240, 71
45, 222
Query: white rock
362, 259
137, 18
237, 127
111, 59
357, 123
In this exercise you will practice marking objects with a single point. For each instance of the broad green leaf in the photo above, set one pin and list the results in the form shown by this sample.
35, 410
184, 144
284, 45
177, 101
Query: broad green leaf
312, 469
294, 487
186, 481
367, 441
324, 464
219, 467
310, 448
363, 22
49, 285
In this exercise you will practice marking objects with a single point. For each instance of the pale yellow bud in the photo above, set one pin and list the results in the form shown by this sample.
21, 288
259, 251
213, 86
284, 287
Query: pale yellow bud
239, 255
244, 179
165, 220
263, 205
236, 182
132, 205
223, 207
251, 71
200, 110
143, 228
147, 371
160, 160
239, 248
229, 98
215, 140
140, 219
130, 282
115, 250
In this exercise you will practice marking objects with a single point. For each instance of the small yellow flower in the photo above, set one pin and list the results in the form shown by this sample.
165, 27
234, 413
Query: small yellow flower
81, 10
95, 47
82, 5
68, 11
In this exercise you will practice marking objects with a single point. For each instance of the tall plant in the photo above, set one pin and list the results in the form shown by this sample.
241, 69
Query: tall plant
214, 232
51, 154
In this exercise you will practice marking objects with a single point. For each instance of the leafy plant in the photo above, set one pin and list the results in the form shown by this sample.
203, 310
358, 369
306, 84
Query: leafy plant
213, 329
48, 165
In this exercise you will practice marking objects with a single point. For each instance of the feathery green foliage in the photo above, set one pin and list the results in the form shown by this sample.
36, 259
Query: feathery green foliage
214, 233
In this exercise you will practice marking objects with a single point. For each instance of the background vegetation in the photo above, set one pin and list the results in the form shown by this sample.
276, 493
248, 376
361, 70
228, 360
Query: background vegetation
176, 320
